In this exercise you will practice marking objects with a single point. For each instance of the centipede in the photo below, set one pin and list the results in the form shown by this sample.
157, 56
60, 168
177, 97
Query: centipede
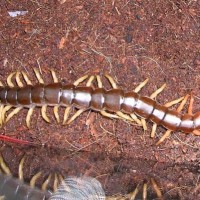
112, 103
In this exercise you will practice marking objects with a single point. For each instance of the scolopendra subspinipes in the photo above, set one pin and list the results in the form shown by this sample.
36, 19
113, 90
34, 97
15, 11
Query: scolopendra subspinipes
113, 103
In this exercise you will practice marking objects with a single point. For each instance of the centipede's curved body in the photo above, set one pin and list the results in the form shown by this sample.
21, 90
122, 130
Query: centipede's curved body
119, 101
99, 99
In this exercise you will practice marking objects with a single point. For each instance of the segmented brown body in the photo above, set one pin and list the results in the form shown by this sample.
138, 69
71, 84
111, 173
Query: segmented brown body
99, 99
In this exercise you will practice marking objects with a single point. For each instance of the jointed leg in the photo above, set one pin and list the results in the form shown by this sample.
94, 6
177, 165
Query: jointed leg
9, 80
168, 132
19, 82
153, 96
46, 182
28, 116
20, 170
38, 76
79, 112
119, 113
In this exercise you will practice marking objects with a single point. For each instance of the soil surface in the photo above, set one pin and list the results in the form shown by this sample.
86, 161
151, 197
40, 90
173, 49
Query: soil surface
130, 40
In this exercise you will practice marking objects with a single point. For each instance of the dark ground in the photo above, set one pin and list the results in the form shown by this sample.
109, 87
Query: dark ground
132, 41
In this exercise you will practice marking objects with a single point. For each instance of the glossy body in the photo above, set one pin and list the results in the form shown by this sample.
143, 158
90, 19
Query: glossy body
112, 100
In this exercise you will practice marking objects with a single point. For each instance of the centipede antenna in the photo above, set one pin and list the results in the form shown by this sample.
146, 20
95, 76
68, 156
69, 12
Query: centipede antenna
141, 85
80, 80
158, 91
99, 82
46, 182
144, 194
28, 116
38, 76
14, 112
5, 109
55, 78
111, 80
34, 179
66, 114
4, 167
157, 189
55, 110
79, 112
19, 82
20, 171
28, 81
44, 113
9, 80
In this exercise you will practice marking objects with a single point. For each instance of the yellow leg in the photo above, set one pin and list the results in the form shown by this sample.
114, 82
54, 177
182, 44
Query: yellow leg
109, 115
168, 132
55, 183
44, 114
133, 194
20, 171
99, 82
144, 194
46, 182
4, 167
1, 118
77, 82
157, 189
119, 113
55, 110
5, 109
79, 112
14, 112
9, 80
38, 76
19, 82
66, 114
28, 81
141, 85
28, 116
34, 179
55, 79
153, 96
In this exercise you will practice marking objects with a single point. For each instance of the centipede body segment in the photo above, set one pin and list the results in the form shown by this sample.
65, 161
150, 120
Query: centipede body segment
114, 103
